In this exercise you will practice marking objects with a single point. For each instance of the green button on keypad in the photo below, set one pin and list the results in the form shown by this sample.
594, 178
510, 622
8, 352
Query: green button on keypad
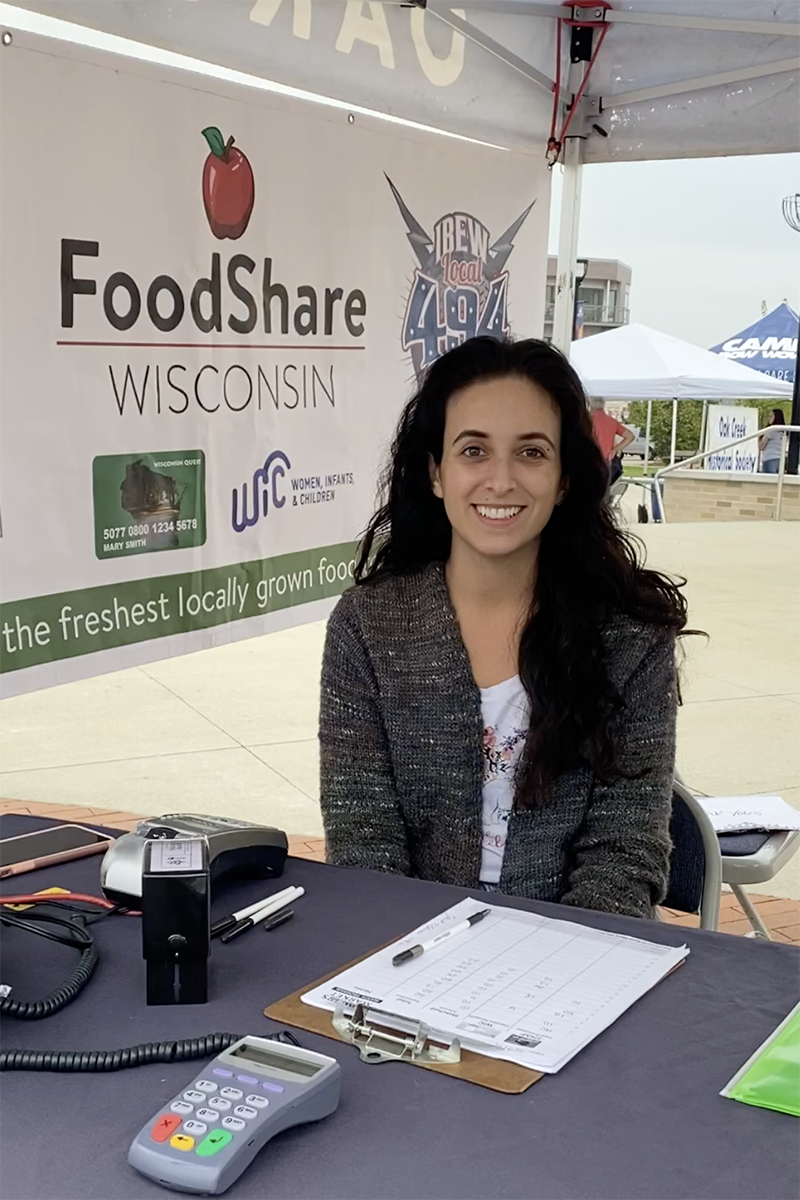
214, 1142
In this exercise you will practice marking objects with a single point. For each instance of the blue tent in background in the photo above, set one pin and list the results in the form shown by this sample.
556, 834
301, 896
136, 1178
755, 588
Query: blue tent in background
769, 346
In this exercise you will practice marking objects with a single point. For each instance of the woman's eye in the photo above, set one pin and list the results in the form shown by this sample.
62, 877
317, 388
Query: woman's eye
472, 451
533, 452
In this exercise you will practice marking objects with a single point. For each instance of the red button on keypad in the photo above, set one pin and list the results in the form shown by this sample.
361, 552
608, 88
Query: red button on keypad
165, 1126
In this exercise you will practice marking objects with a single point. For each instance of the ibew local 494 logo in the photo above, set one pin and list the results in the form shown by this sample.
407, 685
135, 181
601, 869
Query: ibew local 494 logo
460, 288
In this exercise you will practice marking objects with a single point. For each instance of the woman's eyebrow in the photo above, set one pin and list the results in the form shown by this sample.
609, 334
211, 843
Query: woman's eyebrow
469, 433
536, 436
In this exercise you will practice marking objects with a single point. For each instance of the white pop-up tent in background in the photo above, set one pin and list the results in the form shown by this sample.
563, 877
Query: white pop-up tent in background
635, 362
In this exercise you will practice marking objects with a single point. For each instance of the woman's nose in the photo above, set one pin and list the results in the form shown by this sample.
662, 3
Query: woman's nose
501, 477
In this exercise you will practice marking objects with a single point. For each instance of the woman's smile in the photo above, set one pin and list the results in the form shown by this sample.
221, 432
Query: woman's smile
503, 516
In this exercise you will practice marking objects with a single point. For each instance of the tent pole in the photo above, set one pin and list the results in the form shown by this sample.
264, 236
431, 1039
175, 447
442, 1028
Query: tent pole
648, 426
703, 426
674, 437
564, 313
793, 465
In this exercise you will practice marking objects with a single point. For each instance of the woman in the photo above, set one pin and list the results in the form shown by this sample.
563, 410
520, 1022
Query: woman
771, 445
499, 690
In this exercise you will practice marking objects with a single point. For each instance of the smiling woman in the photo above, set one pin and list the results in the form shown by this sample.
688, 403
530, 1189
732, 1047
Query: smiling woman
499, 689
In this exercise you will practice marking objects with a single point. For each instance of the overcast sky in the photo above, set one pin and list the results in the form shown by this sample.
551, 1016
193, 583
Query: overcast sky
706, 238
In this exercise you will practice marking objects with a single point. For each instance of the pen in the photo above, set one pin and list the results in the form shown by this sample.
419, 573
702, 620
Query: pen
461, 927
266, 910
226, 923
281, 919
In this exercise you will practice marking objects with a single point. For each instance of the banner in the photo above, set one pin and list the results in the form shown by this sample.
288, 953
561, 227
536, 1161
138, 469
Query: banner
213, 304
769, 346
725, 424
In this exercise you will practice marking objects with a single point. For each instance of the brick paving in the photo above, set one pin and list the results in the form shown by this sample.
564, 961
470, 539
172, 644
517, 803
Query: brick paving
781, 917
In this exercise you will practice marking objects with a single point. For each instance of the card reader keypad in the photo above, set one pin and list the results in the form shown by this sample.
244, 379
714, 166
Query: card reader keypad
202, 1139
201, 1122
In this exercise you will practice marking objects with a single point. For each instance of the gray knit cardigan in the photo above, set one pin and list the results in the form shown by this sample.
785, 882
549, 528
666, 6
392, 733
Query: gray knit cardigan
402, 770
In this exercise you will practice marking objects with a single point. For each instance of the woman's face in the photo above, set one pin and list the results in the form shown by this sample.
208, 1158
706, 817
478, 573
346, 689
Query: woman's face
500, 474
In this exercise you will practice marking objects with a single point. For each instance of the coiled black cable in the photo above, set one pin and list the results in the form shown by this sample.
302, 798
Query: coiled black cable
94, 1060
76, 981
116, 1060
129, 1056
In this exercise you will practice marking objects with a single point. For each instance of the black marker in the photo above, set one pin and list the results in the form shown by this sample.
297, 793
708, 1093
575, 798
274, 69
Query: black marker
461, 927
225, 924
281, 919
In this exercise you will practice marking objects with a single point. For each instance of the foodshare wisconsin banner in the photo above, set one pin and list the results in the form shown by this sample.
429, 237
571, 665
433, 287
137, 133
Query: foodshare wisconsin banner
212, 307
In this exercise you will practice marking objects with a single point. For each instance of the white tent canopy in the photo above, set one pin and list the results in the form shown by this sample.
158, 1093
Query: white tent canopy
672, 78
636, 362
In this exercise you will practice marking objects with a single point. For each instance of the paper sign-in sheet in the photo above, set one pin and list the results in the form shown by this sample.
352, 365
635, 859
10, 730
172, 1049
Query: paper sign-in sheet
739, 814
516, 986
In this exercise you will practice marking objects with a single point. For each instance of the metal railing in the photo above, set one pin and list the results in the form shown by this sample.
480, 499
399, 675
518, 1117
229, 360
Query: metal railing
597, 314
784, 430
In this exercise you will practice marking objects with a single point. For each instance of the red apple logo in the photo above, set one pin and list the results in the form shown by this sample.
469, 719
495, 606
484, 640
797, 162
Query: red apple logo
229, 189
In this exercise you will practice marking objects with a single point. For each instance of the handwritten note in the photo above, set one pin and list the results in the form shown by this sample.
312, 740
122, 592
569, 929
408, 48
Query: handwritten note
740, 814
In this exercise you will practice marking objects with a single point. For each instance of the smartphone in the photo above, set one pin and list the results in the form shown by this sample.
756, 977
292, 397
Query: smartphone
46, 847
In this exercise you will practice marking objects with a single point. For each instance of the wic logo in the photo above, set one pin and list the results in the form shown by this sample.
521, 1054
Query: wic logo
265, 487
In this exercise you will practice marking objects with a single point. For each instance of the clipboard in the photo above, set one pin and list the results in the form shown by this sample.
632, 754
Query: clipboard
493, 1073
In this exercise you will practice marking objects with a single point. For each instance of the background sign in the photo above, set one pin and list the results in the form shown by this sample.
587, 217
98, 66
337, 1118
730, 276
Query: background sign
769, 346
213, 304
726, 423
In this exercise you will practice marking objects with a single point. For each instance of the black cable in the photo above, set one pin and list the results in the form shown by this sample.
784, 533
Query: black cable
129, 1056
94, 1060
78, 937
76, 981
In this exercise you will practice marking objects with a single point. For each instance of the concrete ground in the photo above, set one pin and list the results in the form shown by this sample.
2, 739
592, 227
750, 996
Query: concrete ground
233, 730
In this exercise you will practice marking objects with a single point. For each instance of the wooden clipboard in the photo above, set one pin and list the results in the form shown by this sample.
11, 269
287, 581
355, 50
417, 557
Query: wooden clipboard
491, 1073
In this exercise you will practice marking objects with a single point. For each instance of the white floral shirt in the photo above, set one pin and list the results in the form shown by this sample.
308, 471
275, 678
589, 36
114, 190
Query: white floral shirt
505, 710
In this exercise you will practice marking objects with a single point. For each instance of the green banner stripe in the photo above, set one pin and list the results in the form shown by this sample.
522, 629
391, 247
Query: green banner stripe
46, 629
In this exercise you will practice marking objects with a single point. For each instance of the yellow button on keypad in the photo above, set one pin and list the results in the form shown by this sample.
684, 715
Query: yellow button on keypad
181, 1142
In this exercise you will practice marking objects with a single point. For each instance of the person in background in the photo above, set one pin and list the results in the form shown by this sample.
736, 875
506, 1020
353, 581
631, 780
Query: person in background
499, 689
611, 437
771, 445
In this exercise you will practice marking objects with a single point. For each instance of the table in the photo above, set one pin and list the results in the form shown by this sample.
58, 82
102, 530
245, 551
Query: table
637, 1114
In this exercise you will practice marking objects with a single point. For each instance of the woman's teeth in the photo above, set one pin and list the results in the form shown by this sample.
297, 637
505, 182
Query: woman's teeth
498, 514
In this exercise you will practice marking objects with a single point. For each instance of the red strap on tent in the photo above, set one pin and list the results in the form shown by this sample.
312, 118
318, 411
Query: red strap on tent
555, 144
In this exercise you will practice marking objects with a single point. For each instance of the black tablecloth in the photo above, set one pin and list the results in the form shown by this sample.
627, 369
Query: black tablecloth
637, 1114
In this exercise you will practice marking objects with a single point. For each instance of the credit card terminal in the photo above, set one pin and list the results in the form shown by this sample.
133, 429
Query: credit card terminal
202, 1139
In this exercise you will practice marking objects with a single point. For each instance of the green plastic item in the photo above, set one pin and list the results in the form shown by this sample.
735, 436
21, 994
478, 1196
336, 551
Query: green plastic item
771, 1077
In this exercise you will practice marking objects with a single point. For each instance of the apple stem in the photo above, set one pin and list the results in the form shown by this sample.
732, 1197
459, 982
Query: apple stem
228, 145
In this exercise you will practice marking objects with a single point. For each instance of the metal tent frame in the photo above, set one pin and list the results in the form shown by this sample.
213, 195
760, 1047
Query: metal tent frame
588, 25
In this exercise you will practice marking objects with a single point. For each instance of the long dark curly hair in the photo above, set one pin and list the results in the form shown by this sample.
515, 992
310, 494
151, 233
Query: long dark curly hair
588, 570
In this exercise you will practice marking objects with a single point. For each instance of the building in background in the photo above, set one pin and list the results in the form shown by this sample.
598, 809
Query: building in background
604, 296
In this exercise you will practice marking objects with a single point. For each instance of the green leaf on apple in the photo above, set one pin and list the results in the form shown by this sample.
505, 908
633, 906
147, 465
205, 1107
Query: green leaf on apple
215, 141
